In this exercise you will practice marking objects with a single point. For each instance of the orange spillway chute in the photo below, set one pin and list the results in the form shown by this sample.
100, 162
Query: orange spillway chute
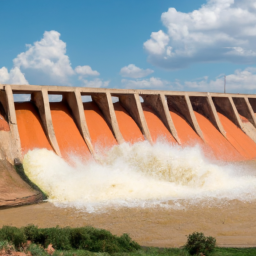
67, 134
156, 126
30, 129
101, 134
220, 146
185, 132
129, 129
243, 144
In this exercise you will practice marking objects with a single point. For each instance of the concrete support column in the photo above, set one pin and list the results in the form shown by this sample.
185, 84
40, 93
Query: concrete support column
41, 100
244, 127
250, 110
159, 105
75, 103
223, 106
238, 119
104, 102
16, 145
215, 114
131, 103
193, 118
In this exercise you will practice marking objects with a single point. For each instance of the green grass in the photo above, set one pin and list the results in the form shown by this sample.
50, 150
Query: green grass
38, 250
161, 252
234, 251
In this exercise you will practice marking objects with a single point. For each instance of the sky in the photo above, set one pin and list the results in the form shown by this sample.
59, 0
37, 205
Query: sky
176, 45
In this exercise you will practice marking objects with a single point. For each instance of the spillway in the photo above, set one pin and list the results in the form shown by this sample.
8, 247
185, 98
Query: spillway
30, 128
186, 133
220, 146
222, 126
101, 134
67, 134
128, 128
244, 145
155, 125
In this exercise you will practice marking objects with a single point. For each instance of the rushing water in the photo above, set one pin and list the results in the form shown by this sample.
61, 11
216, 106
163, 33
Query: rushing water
138, 175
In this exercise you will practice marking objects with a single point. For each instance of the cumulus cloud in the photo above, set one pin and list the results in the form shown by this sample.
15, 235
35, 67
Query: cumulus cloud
46, 62
15, 76
151, 83
46, 59
86, 71
221, 30
135, 72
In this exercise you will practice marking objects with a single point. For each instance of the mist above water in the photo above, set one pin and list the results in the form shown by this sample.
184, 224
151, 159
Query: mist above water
138, 175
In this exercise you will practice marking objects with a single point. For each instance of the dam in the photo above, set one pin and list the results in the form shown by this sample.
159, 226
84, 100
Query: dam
86, 119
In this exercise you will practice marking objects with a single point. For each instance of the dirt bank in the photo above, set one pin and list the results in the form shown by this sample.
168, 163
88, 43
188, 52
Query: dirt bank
13, 190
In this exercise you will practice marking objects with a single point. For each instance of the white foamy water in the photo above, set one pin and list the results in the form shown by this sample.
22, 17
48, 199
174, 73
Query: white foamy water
138, 175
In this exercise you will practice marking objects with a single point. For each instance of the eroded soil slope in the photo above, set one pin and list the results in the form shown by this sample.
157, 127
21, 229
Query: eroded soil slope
13, 190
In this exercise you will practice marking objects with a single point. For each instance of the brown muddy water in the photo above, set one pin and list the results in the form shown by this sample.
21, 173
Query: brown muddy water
232, 224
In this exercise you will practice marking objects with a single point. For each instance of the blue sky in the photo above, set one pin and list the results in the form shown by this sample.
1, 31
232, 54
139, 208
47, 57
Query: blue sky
155, 44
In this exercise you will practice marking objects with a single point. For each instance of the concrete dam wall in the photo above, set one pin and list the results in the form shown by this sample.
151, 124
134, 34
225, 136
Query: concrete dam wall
222, 124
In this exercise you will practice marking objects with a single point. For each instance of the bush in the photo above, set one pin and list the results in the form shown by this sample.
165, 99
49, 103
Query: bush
14, 235
99, 240
85, 238
198, 243
5, 245
58, 237
36, 250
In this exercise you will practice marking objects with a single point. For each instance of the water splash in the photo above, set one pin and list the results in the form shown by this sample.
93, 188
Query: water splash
138, 175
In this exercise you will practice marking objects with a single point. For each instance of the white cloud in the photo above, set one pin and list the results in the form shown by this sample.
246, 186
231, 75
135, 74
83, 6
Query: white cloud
15, 76
46, 62
95, 83
156, 45
47, 59
135, 72
221, 30
86, 71
241, 81
238, 82
151, 83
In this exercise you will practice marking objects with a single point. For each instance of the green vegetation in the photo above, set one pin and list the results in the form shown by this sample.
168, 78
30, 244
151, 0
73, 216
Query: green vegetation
88, 241
199, 243
86, 238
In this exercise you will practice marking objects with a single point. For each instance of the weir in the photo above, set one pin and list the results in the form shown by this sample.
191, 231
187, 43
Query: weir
222, 124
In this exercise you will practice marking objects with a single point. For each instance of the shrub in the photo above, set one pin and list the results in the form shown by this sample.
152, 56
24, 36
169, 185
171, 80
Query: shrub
5, 245
99, 240
126, 242
198, 243
85, 238
36, 250
33, 233
14, 235
58, 237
